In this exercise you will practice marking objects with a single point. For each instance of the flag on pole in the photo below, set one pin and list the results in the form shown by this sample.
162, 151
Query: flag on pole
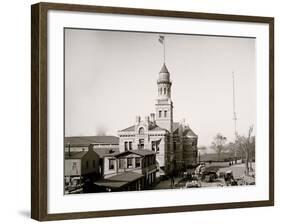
161, 39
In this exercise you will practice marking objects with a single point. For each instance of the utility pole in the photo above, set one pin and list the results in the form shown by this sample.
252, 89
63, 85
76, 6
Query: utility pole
234, 116
234, 110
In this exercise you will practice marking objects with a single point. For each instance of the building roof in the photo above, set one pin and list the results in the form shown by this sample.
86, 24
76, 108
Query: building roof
119, 180
74, 155
140, 152
151, 128
164, 69
176, 125
110, 183
131, 128
103, 152
157, 128
126, 176
85, 141
143, 152
188, 132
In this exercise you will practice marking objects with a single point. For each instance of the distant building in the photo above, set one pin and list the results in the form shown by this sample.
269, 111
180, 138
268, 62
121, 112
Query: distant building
107, 161
81, 143
80, 167
130, 170
174, 142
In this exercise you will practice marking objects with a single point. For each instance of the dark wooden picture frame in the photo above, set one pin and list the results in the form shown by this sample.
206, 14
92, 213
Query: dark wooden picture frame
39, 110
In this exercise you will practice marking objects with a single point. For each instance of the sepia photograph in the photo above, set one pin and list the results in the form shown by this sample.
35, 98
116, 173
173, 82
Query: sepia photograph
158, 111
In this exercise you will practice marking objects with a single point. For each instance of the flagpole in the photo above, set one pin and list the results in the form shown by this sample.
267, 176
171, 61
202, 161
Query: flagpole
164, 50
162, 41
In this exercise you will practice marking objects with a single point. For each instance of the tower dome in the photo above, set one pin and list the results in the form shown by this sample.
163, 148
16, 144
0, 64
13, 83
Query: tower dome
164, 75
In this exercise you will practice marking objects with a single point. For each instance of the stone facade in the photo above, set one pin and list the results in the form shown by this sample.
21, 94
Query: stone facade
174, 143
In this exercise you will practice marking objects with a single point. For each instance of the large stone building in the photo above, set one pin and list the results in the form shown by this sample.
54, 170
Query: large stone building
174, 142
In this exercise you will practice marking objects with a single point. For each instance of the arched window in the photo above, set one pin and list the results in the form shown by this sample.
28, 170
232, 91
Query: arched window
141, 131
164, 91
161, 91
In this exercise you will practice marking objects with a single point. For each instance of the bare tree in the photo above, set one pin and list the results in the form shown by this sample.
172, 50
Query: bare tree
218, 144
233, 149
246, 144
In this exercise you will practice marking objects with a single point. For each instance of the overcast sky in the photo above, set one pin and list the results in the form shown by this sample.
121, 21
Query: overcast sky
110, 77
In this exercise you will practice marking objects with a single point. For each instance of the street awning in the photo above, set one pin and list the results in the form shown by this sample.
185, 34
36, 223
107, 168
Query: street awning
119, 180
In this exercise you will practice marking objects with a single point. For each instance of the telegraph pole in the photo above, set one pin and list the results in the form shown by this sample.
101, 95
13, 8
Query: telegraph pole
234, 115
234, 110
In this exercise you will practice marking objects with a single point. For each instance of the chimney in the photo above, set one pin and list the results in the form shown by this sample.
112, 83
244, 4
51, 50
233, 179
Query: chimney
147, 119
138, 118
181, 127
152, 118
90, 148
183, 122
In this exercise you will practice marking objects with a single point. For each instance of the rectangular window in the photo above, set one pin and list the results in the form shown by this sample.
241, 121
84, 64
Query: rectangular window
153, 146
130, 145
141, 144
165, 113
160, 113
137, 160
74, 166
111, 163
126, 146
129, 163
87, 164
121, 163
94, 163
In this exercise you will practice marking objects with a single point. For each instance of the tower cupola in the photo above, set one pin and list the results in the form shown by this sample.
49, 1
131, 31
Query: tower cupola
164, 83
164, 75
